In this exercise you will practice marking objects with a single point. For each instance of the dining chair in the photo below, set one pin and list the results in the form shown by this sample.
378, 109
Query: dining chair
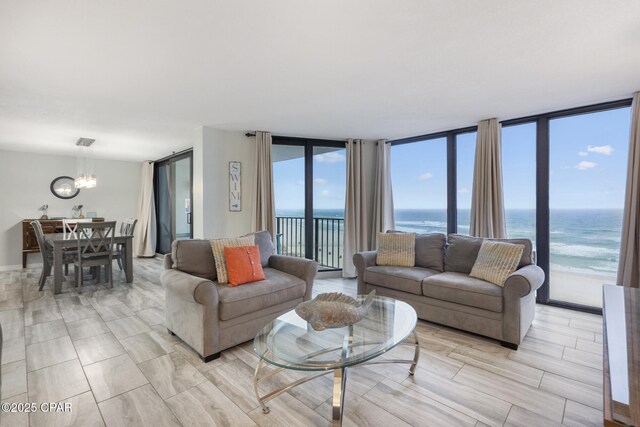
70, 226
127, 228
47, 255
95, 249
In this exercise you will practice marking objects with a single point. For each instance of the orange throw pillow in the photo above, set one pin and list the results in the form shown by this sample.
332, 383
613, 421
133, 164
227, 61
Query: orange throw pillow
243, 264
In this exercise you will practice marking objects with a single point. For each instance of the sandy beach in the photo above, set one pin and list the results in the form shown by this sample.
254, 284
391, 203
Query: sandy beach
578, 286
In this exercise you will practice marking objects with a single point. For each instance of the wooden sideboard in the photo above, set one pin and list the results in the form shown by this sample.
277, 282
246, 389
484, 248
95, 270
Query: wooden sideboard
29, 241
621, 315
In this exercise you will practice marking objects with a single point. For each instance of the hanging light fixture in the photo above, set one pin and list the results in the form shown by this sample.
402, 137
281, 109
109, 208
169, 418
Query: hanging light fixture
85, 177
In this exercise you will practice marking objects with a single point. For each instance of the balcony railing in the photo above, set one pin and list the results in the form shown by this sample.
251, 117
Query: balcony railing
328, 239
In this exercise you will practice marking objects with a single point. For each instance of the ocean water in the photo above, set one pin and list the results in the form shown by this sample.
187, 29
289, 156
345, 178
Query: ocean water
581, 240
586, 240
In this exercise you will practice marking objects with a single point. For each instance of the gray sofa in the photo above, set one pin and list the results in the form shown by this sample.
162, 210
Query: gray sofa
440, 289
211, 317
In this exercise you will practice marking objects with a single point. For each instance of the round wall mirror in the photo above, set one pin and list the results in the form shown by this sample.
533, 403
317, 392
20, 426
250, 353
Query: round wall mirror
64, 187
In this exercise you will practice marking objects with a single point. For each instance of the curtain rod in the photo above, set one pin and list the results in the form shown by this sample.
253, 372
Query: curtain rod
250, 134
173, 154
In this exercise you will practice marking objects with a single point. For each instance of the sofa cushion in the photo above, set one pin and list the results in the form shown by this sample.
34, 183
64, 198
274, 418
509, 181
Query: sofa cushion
396, 249
430, 251
406, 279
194, 257
496, 261
278, 287
265, 245
462, 289
462, 252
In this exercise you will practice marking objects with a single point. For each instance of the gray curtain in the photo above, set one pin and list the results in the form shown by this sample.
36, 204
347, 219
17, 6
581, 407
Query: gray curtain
487, 202
629, 264
355, 210
264, 211
145, 238
383, 218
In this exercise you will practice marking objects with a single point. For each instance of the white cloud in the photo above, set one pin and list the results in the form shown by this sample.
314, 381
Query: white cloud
331, 157
425, 176
601, 149
583, 153
326, 193
464, 191
300, 182
320, 181
583, 165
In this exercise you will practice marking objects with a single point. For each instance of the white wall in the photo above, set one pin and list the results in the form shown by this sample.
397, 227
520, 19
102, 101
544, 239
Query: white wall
213, 149
26, 178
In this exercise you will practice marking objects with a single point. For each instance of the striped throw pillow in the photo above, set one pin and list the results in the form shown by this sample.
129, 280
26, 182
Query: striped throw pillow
496, 261
218, 245
397, 249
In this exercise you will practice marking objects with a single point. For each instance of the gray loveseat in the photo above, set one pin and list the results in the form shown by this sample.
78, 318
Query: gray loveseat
440, 289
211, 317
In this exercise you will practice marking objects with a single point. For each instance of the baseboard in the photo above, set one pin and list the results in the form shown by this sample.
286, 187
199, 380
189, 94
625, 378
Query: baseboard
329, 274
19, 266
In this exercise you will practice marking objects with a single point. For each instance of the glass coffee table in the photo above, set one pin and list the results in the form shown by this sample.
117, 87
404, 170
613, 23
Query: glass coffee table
289, 342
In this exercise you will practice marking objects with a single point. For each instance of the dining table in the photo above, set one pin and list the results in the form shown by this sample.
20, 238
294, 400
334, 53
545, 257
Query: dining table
60, 241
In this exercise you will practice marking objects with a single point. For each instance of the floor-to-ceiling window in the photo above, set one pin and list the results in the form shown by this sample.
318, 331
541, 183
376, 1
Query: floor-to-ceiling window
519, 179
309, 191
563, 178
465, 155
172, 190
419, 177
587, 175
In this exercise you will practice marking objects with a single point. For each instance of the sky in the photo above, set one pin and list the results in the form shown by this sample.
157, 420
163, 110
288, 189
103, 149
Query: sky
329, 177
588, 163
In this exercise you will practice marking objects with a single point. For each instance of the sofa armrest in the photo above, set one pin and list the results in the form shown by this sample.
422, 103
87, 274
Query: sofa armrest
303, 268
168, 262
523, 281
179, 284
362, 260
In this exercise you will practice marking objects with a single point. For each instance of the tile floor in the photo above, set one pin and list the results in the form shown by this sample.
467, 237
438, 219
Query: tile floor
108, 354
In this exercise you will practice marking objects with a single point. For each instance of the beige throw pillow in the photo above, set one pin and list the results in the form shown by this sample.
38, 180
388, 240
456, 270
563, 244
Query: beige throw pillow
496, 261
218, 245
397, 249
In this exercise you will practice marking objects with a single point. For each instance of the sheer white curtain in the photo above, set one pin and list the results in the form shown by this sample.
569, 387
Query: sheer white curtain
264, 211
383, 217
355, 211
629, 264
145, 238
487, 200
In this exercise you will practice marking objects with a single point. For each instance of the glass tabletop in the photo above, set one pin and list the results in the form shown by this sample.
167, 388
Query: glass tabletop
290, 342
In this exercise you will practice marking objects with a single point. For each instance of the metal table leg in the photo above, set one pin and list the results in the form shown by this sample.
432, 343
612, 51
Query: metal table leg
416, 354
339, 385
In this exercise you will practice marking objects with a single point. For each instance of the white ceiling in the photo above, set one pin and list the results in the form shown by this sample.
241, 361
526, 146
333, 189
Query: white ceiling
139, 76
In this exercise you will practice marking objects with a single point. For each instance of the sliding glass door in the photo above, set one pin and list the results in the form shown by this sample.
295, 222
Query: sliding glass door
309, 179
173, 189
288, 192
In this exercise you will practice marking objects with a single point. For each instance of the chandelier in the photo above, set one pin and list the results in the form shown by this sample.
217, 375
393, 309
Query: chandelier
85, 177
